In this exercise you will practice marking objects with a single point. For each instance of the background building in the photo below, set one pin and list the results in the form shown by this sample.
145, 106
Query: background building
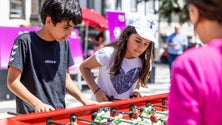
26, 13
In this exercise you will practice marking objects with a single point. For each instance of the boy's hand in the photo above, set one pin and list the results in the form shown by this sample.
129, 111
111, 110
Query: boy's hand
43, 108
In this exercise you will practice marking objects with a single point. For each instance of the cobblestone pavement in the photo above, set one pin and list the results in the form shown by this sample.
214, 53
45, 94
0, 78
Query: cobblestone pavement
161, 85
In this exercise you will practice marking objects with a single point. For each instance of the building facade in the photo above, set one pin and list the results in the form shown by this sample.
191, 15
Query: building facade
17, 13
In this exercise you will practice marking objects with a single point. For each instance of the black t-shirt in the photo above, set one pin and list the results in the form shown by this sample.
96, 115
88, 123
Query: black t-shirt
43, 65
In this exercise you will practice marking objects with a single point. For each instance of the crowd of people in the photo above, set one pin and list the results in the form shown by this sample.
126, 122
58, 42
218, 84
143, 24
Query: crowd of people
40, 79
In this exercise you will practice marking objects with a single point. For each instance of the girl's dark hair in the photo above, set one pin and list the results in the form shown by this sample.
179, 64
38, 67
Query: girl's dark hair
121, 45
209, 9
60, 10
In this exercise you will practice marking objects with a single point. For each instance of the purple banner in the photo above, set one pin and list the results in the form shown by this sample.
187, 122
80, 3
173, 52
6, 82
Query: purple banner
116, 24
8, 35
76, 50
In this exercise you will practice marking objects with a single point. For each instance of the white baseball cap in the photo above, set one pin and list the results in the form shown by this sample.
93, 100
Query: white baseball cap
145, 27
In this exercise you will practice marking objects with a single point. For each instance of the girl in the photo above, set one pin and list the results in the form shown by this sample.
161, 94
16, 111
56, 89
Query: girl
124, 65
196, 83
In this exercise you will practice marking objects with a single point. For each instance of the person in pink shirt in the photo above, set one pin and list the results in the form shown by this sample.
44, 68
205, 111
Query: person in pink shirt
195, 96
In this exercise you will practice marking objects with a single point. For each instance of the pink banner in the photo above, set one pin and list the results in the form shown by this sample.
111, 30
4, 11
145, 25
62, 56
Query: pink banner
116, 24
8, 35
76, 50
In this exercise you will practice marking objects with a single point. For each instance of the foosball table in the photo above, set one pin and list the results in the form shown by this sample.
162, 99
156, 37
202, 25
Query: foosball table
146, 110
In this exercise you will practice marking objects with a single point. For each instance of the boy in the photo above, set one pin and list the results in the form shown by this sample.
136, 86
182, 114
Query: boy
38, 67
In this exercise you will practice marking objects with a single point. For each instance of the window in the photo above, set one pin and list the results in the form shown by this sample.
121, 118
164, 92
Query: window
133, 5
17, 9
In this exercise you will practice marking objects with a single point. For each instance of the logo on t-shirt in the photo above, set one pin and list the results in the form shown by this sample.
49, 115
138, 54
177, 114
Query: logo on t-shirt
50, 61
15, 46
11, 59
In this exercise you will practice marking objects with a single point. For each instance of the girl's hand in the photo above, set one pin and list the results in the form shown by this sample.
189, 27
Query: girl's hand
101, 96
136, 93
89, 102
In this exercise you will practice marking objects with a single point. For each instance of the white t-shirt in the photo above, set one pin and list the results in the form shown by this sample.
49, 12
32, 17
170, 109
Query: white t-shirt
122, 85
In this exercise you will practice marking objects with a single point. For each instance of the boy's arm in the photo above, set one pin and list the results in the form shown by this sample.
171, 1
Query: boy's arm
73, 90
15, 85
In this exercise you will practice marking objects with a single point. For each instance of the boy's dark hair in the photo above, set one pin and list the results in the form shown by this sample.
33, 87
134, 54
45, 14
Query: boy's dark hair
121, 45
60, 10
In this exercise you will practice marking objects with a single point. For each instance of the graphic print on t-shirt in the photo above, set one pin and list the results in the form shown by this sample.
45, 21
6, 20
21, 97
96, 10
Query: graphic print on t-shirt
11, 58
124, 81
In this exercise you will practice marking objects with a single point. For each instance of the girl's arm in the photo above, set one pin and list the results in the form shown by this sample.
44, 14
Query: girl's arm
85, 69
73, 90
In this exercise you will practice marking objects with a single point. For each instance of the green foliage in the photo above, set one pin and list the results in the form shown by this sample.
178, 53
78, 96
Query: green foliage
168, 8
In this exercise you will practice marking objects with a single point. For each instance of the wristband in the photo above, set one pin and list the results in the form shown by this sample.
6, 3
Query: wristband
96, 91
